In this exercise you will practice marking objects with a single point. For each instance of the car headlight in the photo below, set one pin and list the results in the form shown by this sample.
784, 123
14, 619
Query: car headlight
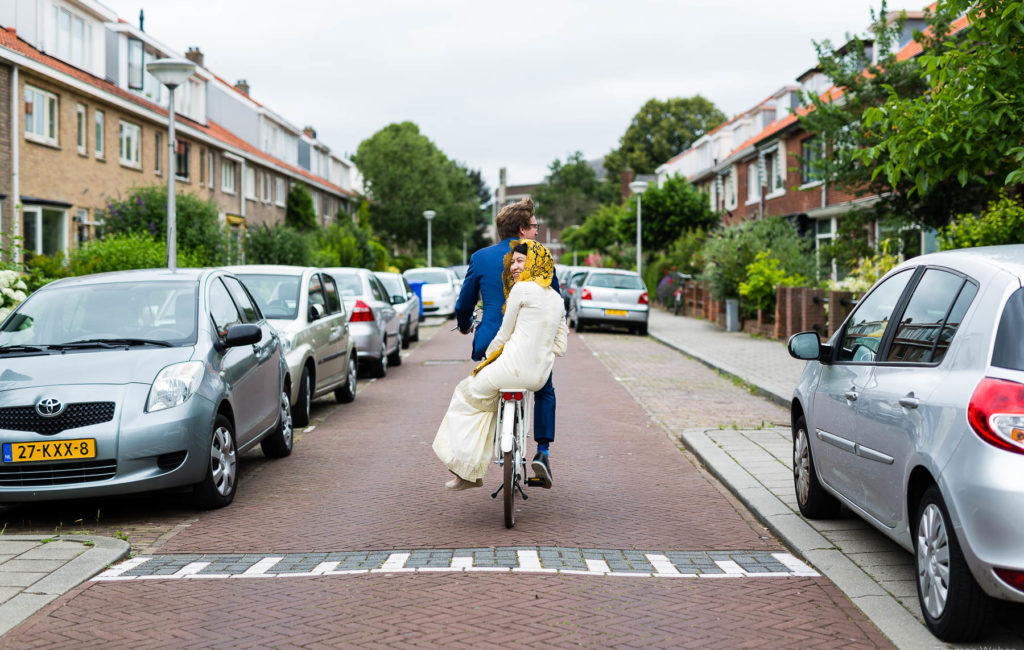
174, 385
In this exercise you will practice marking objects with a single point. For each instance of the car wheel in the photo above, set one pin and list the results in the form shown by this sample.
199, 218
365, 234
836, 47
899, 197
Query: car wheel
300, 413
279, 444
347, 393
217, 489
407, 336
814, 501
380, 366
641, 329
395, 358
953, 604
579, 325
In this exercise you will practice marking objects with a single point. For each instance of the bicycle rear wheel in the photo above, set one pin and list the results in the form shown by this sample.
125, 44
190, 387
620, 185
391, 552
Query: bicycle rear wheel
509, 489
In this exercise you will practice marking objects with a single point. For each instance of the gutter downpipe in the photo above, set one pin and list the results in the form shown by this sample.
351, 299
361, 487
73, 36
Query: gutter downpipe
15, 156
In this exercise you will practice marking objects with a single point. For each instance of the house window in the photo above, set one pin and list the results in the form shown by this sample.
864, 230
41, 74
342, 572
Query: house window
44, 231
730, 189
181, 167
202, 166
316, 202
773, 176
73, 38
83, 146
811, 151
250, 183
267, 190
279, 191
209, 169
227, 175
135, 64
82, 217
753, 182
159, 151
40, 115
98, 118
130, 136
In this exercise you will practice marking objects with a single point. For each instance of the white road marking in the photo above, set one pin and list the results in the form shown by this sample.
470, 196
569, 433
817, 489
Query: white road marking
394, 564
796, 566
259, 570
115, 572
598, 566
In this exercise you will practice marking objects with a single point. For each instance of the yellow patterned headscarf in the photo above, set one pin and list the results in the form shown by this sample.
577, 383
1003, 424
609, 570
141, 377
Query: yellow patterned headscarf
540, 268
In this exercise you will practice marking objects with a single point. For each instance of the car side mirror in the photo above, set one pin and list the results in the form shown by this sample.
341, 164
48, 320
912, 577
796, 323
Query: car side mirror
316, 312
807, 346
397, 299
238, 335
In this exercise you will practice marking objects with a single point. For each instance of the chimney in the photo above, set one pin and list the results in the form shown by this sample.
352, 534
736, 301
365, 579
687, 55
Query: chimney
195, 55
310, 131
243, 86
142, 20
627, 178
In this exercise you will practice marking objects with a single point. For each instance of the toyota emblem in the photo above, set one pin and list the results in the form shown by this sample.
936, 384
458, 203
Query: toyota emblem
49, 407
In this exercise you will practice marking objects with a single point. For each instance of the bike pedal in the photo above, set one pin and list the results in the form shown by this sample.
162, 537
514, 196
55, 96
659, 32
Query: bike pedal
535, 481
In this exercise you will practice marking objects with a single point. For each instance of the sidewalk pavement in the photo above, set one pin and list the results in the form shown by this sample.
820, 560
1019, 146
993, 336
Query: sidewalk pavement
36, 569
756, 465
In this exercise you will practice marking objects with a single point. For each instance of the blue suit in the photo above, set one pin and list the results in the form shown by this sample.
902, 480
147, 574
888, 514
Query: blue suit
483, 282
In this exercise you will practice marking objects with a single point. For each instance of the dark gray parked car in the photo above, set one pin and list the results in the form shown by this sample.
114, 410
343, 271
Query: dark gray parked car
136, 381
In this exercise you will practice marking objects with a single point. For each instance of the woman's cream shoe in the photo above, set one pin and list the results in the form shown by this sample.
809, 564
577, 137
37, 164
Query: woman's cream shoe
459, 483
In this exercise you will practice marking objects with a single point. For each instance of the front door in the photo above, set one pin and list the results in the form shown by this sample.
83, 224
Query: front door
267, 385
238, 365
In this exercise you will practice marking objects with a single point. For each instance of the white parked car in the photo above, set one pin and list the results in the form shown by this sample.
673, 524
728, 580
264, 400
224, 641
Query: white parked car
440, 289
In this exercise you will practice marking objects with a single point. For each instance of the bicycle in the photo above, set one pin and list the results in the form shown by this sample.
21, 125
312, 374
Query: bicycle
515, 406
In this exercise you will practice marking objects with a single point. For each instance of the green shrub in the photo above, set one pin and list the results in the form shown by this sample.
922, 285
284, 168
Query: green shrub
729, 251
279, 244
867, 270
764, 274
298, 209
123, 252
1002, 222
145, 211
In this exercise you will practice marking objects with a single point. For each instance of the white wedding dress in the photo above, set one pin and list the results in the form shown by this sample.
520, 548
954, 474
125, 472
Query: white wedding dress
533, 331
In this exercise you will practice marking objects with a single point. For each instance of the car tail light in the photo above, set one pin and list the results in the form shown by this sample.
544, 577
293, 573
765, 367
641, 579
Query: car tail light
1013, 578
996, 413
361, 313
512, 396
643, 299
585, 295
571, 291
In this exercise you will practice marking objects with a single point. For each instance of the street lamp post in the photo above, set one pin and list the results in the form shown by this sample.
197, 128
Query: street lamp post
638, 188
171, 73
429, 215
464, 238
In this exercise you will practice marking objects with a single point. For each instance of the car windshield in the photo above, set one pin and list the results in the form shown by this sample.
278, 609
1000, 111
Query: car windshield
428, 277
460, 270
349, 284
160, 312
276, 295
614, 281
393, 284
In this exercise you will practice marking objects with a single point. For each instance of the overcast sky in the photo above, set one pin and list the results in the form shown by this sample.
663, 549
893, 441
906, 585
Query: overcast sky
511, 84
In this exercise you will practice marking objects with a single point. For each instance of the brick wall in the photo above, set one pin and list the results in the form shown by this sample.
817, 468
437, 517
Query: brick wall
6, 170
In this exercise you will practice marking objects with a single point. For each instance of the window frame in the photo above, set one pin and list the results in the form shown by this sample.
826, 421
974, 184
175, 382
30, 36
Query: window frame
901, 308
135, 163
99, 133
227, 176
136, 69
82, 129
210, 169
280, 191
183, 155
159, 149
249, 183
50, 115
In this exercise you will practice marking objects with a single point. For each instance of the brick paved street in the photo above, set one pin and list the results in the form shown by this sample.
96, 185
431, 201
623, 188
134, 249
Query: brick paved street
366, 482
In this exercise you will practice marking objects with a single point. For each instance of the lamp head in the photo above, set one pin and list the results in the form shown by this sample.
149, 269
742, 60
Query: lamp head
638, 187
429, 214
171, 72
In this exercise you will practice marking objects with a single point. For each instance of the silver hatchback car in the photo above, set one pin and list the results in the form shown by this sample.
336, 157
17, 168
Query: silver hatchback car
373, 321
305, 308
406, 303
912, 416
136, 381
610, 297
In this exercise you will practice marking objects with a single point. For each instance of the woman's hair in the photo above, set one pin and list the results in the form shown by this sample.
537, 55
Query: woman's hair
513, 217
522, 248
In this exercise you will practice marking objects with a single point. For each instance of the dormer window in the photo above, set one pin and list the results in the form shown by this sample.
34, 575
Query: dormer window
72, 37
136, 59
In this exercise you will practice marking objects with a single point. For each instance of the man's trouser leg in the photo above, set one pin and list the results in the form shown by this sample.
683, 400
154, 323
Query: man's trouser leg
544, 413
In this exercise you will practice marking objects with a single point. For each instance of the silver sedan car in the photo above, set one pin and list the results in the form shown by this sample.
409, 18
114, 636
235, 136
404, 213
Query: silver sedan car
305, 308
373, 321
405, 302
610, 297
912, 416
136, 381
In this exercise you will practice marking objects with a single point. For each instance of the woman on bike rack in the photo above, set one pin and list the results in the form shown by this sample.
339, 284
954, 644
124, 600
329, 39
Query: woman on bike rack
532, 333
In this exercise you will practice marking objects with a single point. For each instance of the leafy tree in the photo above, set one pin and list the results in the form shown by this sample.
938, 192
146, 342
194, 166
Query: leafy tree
1001, 223
965, 130
278, 244
847, 123
764, 274
299, 212
572, 192
599, 232
660, 130
668, 211
404, 174
346, 243
144, 210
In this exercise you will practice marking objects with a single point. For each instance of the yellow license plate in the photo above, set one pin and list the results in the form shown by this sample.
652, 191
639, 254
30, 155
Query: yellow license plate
428, 303
615, 312
24, 452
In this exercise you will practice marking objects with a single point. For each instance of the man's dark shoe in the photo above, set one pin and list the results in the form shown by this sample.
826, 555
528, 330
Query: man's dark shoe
541, 468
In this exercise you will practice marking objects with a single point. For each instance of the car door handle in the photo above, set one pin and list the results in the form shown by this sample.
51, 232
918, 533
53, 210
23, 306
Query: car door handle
909, 401
851, 395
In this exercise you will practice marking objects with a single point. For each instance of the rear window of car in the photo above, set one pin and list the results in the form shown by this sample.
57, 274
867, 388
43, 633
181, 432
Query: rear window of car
614, 281
276, 295
393, 284
349, 285
429, 277
1009, 347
